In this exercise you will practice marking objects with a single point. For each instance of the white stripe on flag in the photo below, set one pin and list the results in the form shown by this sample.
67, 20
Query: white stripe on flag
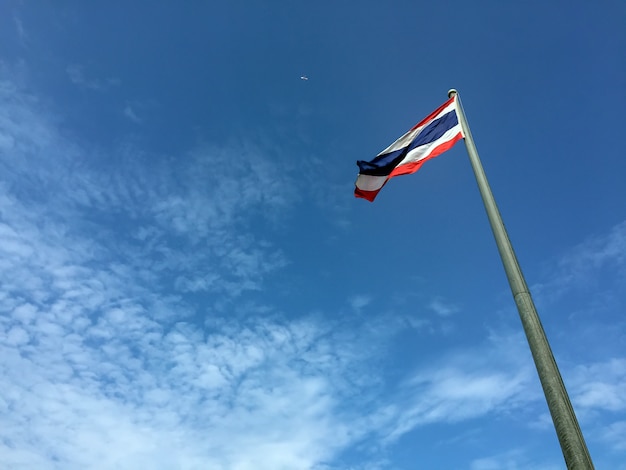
370, 183
407, 138
423, 151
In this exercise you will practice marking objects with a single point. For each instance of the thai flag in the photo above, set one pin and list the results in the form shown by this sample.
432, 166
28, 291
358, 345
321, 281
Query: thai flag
431, 137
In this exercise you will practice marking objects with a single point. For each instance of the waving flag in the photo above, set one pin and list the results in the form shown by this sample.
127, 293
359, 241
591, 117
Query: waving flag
431, 137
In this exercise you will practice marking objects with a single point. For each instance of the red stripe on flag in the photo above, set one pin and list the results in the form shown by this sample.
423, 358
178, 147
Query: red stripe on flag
369, 195
432, 115
412, 167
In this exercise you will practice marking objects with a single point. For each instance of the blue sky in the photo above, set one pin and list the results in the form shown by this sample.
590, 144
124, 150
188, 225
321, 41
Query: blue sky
187, 281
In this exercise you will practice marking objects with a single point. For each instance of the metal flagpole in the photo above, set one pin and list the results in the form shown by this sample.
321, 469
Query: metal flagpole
567, 429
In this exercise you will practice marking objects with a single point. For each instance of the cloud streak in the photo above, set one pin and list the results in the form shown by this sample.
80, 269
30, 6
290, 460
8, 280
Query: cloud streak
442, 308
129, 112
78, 76
598, 261
466, 385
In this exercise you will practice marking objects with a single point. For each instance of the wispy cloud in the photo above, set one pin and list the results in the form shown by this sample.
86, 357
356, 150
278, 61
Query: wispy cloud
442, 308
94, 360
129, 112
598, 394
153, 209
358, 302
465, 385
614, 434
19, 28
601, 386
79, 77
512, 460
104, 363
600, 259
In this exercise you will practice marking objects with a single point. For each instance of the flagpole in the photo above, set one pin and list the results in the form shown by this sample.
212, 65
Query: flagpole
567, 429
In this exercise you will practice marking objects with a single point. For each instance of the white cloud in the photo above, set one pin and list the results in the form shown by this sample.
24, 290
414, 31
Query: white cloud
201, 203
601, 386
257, 395
76, 74
102, 364
79, 77
358, 302
464, 386
615, 433
597, 263
442, 308
608, 248
512, 460
129, 112
93, 359
19, 28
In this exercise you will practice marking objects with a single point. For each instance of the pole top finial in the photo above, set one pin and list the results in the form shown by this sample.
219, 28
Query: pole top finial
451, 92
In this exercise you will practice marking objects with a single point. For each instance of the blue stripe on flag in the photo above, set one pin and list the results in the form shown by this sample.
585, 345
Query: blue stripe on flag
435, 129
384, 164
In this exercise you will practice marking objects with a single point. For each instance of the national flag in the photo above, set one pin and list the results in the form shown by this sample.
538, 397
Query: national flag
429, 138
